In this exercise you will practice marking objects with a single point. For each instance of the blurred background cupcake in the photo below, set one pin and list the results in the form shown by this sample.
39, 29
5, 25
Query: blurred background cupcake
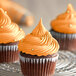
64, 29
10, 34
17, 13
38, 53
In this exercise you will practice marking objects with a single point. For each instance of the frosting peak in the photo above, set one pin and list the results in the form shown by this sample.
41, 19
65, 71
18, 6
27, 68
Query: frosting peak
4, 19
9, 31
70, 8
39, 30
66, 22
40, 40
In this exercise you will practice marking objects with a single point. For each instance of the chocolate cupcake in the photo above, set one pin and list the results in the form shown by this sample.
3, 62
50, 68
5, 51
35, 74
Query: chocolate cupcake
38, 53
10, 34
64, 29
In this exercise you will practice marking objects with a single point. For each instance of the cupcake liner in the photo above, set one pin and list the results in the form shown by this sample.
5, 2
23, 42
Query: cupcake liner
62, 35
38, 66
66, 41
8, 53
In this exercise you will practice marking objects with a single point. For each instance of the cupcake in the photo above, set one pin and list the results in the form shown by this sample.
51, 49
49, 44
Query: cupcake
64, 29
38, 53
10, 34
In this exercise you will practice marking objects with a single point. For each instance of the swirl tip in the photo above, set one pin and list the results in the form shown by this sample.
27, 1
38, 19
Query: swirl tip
70, 7
40, 23
39, 29
4, 16
1, 10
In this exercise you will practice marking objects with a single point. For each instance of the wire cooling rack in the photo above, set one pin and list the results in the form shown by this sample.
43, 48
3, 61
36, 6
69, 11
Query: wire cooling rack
66, 66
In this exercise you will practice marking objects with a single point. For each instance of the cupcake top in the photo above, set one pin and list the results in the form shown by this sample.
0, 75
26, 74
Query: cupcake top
9, 31
39, 42
66, 22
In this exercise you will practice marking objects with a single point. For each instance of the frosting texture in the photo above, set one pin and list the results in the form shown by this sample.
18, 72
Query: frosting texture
9, 31
39, 42
66, 22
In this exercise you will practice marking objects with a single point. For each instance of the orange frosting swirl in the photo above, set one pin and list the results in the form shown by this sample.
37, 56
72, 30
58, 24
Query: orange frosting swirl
9, 31
66, 22
39, 42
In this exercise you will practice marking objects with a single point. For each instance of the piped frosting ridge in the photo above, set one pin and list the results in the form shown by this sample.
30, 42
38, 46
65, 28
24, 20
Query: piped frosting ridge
66, 22
39, 42
9, 31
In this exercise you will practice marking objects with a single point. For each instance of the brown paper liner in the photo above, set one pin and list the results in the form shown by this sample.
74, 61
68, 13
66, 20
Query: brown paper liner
9, 52
37, 67
66, 41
